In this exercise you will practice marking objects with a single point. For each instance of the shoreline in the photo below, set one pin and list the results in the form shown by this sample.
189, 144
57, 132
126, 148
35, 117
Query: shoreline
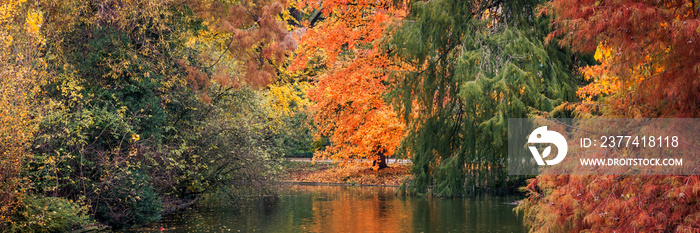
306, 183
303, 172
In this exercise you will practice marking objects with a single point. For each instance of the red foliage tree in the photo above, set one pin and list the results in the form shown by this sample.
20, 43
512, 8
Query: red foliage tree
258, 40
650, 64
653, 41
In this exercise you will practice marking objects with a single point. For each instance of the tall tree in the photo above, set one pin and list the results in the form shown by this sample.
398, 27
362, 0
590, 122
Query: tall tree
478, 63
350, 108
21, 73
649, 67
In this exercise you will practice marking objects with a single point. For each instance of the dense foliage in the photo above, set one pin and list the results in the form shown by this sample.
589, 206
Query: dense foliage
648, 68
21, 73
476, 65
116, 110
349, 106
112, 111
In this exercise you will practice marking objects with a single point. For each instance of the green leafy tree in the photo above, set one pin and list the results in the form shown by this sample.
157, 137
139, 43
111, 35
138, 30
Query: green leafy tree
149, 103
477, 63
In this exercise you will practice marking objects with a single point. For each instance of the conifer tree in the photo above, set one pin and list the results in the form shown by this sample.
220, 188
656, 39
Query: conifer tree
476, 65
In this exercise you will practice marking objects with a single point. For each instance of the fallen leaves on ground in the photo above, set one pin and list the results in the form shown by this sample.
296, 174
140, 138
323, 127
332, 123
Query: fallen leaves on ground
349, 174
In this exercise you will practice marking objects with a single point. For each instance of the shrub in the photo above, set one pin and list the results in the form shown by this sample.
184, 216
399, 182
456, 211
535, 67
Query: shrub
129, 200
49, 214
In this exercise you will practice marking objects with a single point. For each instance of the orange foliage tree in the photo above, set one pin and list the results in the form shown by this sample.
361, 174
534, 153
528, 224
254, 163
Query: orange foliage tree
350, 109
649, 67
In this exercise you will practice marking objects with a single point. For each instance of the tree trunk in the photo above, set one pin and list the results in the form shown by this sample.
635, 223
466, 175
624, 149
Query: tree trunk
381, 162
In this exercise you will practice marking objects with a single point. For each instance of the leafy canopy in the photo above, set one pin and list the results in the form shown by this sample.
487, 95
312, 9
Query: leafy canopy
477, 63
349, 106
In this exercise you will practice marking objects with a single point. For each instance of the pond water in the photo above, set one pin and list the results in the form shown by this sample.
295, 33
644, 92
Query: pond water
343, 209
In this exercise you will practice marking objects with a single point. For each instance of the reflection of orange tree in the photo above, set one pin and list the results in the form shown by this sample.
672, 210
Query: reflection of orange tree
372, 209
377, 209
649, 58
349, 108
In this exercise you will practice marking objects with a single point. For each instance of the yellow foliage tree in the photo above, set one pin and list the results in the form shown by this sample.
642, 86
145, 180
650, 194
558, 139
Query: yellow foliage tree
606, 81
285, 99
20, 73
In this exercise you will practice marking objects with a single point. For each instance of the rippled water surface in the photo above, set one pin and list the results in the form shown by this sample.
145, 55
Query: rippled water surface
342, 209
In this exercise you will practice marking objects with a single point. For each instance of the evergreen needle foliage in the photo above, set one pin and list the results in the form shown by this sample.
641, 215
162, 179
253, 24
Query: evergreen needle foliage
477, 63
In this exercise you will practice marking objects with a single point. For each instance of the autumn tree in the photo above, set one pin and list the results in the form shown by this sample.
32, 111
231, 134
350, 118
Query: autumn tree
477, 63
285, 104
648, 67
254, 34
21, 73
349, 95
150, 103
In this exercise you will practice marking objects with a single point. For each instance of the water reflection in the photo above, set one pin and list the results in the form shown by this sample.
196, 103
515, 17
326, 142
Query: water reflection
343, 209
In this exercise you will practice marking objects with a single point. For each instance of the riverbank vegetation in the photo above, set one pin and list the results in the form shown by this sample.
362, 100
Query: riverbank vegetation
112, 111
